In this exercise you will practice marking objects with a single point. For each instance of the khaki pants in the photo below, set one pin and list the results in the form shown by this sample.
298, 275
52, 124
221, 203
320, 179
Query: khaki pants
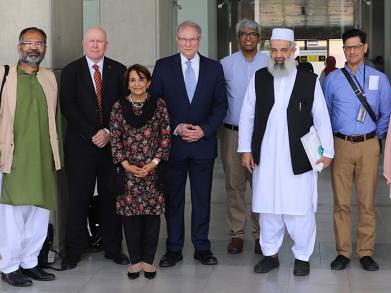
358, 163
236, 177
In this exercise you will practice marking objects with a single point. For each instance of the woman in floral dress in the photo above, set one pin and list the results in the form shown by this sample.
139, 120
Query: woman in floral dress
140, 139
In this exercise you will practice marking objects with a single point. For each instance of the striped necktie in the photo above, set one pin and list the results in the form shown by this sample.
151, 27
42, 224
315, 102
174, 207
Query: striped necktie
98, 85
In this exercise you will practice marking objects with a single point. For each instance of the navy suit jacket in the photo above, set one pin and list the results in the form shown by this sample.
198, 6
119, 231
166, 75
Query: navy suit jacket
207, 109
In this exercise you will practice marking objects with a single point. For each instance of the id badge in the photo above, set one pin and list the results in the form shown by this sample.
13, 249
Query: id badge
361, 114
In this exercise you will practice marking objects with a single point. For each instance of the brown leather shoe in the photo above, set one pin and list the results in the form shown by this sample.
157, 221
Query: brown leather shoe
235, 246
257, 247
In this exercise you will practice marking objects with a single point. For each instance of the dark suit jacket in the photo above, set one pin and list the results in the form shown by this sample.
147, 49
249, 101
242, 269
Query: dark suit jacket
207, 109
78, 97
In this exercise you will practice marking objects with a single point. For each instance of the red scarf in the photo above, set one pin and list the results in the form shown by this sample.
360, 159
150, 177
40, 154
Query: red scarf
330, 65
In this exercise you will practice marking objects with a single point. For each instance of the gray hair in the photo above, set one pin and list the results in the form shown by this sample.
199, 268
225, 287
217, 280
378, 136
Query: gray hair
247, 23
188, 23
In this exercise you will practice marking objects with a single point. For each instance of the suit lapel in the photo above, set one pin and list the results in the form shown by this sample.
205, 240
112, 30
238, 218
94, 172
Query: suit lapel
180, 77
86, 75
201, 77
106, 79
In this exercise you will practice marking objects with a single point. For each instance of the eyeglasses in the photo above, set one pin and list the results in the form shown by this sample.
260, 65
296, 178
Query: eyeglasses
354, 48
191, 41
248, 34
31, 44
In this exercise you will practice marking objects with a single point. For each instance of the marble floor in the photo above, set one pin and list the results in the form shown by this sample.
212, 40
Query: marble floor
234, 273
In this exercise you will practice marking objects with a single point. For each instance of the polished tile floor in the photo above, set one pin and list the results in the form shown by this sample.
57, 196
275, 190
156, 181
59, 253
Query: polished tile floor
234, 273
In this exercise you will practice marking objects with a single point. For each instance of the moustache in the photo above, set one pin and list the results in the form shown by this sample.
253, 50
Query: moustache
33, 52
279, 59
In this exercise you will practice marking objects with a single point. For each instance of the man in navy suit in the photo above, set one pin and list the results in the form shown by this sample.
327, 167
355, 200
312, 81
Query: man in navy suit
194, 89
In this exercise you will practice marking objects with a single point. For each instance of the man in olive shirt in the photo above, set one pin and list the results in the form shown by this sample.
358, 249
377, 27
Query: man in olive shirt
30, 154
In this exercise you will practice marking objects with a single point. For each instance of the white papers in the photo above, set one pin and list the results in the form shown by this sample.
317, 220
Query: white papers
373, 82
313, 148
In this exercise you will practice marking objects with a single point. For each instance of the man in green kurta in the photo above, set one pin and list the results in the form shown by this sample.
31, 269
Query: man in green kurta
28, 127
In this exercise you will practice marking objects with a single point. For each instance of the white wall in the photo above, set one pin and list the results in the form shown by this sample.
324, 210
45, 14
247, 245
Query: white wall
16, 15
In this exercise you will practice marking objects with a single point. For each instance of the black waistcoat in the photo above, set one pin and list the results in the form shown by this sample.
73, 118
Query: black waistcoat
298, 114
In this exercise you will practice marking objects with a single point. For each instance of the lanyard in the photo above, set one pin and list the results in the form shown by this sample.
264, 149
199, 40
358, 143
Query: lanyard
358, 83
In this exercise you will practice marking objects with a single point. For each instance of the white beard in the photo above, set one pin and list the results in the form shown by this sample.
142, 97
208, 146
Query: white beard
281, 70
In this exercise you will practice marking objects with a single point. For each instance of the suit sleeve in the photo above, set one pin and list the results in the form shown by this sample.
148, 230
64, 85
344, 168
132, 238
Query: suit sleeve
69, 105
157, 89
219, 105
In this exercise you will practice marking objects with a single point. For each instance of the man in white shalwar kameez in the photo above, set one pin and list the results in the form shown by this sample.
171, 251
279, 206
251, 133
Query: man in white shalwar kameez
280, 106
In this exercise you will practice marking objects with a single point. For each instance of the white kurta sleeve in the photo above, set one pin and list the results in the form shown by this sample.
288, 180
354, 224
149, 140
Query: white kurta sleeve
246, 120
322, 122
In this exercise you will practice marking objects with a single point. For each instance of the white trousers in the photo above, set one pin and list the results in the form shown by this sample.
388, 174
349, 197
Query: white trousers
23, 230
302, 230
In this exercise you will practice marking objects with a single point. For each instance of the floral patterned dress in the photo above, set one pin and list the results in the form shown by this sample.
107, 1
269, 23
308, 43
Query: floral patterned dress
139, 146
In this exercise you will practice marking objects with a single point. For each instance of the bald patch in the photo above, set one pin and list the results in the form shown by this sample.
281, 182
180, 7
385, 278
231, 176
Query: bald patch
95, 31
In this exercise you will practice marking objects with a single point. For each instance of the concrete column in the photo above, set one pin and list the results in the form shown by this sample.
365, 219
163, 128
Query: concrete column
204, 13
139, 31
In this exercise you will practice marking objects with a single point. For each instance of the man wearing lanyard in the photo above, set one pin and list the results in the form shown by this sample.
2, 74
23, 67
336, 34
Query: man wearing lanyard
359, 112
238, 70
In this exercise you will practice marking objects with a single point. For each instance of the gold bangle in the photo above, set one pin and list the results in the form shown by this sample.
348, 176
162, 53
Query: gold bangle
155, 161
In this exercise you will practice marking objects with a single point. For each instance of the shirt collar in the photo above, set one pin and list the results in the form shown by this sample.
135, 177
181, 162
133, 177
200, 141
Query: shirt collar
359, 70
195, 60
246, 60
91, 63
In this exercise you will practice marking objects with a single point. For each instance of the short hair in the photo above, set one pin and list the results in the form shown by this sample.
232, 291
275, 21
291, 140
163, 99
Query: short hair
140, 70
354, 33
32, 29
247, 23
188, 23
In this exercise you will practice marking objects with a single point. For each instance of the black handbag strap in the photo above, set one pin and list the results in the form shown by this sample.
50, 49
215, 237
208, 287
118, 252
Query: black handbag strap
359, 94
6, 70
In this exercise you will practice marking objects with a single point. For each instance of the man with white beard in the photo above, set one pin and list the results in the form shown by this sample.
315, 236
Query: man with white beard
280, 106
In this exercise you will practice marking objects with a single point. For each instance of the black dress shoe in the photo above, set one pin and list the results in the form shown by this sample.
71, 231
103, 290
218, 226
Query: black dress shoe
16, 279
67, 264
205, 257
120, 258
38, 274
340, 262
267, 264
150, 275
369, 264
133, 276
301, 268
170, 259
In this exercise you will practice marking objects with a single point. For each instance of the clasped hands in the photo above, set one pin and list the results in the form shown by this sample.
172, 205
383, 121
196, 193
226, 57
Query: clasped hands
140, 172
101, 138
189, 132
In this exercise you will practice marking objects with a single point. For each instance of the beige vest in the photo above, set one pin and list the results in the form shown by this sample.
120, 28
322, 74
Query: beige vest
7, 115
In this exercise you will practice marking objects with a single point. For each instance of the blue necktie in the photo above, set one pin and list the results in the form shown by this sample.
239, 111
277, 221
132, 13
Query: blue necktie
190, 80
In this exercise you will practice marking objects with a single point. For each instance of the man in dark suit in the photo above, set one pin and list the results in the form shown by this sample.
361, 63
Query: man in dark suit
194, 89
89, 87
